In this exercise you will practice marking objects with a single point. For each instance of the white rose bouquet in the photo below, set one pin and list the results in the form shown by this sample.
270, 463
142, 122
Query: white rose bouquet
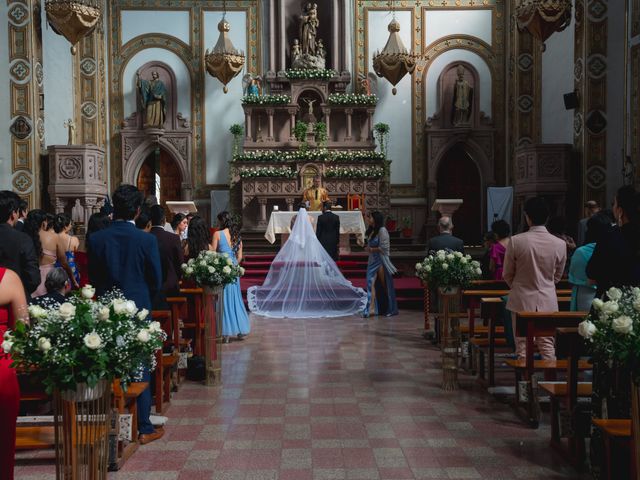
212, 269
448, 269
613, 327
84, 341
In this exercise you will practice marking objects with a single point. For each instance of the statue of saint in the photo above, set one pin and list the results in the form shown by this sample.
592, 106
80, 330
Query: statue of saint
154, 100
295, 50
320, 50
77, 212
308, 29
71, 130
462, 99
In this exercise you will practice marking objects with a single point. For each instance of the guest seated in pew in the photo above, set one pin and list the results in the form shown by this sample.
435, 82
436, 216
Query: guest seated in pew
57, 285
583, 290
13, 307
533, 264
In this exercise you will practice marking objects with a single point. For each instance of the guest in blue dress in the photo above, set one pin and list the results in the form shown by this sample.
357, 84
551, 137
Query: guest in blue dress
381, 294
62, 226
235, 321
583, 290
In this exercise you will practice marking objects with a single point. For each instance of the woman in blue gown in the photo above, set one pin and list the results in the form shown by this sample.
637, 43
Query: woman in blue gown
381, 294
235, 321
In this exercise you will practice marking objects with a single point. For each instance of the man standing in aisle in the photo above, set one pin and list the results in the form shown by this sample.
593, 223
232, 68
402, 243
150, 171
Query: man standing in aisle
126, 258
315, 196
328, 230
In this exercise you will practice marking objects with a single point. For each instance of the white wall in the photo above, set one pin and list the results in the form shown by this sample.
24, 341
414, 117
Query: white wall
222, 110
57, 63
435, 69
177, 65
139, 22
394, 110
440, 23
5, 109
557, 79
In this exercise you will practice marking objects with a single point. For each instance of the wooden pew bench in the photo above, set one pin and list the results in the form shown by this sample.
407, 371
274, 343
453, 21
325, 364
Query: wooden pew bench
617, 439
125, 403
539, 324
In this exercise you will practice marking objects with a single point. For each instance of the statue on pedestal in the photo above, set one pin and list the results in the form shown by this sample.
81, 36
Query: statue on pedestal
77, 212
252, 85
153, 94
462, 99
308, 52
71, 129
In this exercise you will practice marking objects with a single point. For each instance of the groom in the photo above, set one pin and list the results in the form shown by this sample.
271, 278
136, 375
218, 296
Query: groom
328, 230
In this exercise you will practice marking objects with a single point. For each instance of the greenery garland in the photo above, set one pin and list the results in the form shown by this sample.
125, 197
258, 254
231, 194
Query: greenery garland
310, 155
266, 99
309, 74
272, 172
352, 99
355, 172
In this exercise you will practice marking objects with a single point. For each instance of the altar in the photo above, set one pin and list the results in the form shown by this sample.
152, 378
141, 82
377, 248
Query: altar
351, 223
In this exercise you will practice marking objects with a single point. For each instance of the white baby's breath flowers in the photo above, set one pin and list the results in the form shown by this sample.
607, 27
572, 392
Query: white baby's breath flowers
36, 311
44, 344
587, 329
93, 341
67, 310
142, 314
622, 324
88, 292
143, 335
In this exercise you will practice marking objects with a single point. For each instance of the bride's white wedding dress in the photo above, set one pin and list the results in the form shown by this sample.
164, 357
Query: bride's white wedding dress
304, 281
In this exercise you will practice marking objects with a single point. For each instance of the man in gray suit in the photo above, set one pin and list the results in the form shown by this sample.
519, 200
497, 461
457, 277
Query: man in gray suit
445, 240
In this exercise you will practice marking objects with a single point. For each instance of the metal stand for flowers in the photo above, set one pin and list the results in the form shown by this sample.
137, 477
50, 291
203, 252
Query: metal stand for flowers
82, 432
450, 337
214, 310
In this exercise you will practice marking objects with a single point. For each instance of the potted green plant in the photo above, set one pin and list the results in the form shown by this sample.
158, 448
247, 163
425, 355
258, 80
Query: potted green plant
407, 231
320, 131
381, 132
391, 224
237, 131
300, 133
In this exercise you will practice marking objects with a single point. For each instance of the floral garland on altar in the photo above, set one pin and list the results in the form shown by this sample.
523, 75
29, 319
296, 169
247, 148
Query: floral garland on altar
309, 155
266, 99
274, 172
355, 172
309, 74
352, 99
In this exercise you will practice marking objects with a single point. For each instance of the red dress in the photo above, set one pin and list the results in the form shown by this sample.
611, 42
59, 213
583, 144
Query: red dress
9, 400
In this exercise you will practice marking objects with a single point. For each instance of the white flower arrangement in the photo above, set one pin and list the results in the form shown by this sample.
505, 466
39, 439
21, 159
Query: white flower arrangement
84, 340
309, 74
448, 269
355, 172
276, 172
212, 269
613, 327
352, 99
266, 99
283, 156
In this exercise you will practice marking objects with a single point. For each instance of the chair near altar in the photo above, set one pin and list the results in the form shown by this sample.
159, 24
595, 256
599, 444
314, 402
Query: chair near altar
355, 202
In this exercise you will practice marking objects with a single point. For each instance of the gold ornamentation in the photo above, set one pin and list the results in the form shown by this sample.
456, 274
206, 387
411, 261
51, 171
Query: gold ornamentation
394, 61
224, 62
73, 19
542, 18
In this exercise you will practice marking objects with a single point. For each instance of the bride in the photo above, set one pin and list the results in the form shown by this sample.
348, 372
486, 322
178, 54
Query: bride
304, 281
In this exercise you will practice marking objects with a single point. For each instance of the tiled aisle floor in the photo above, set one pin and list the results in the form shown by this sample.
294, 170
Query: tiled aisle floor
338, 399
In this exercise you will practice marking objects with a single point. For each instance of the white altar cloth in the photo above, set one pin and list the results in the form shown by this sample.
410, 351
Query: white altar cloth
350, 223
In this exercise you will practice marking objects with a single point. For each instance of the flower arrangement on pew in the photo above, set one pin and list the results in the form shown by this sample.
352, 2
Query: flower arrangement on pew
613, 327
212, 269
84, 341
448, 270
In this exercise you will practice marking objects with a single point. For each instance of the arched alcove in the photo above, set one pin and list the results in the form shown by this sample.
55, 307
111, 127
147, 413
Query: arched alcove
160, 176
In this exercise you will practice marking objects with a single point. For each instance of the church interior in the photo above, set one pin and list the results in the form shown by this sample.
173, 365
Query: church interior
420, 110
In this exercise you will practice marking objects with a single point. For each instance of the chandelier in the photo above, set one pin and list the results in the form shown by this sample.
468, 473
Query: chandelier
394, 61
73, 19
542, 18
224, 62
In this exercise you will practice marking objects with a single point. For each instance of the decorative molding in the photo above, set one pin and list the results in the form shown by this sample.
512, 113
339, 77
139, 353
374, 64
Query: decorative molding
634, 113
494, 56
635, 18
25, 81
192, 56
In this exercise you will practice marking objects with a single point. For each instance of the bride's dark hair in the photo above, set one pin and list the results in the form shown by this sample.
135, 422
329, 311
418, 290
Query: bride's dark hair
378, 222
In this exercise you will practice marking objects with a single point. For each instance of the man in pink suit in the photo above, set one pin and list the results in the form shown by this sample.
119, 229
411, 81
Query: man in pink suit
533, 264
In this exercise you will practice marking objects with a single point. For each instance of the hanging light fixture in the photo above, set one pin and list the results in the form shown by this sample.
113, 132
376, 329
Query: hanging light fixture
394, 61
73, 19
542, 18
224, 62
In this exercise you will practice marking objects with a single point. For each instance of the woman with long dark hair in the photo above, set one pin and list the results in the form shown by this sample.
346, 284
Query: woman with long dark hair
62, 226
49, 248
616, 259
179, 224
198, 238
381, 294
227, 240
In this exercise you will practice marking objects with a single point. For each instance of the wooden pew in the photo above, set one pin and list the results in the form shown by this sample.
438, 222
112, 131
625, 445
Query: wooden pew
564, 398
196, 321
617, 438
125, 403
539, 324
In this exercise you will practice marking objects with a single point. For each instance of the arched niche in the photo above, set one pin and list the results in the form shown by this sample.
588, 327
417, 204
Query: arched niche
446, 84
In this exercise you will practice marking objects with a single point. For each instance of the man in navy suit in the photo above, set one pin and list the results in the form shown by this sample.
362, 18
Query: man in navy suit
328, 230
126, 258
446, 240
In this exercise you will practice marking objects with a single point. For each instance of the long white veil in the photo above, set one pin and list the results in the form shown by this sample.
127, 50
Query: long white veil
304, 281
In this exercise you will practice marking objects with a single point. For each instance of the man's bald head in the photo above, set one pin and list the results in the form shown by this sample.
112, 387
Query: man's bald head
445, 224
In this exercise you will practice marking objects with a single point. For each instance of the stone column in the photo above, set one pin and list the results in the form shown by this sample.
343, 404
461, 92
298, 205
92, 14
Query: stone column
263, 212
270, 125
348, 112
290, 202
60, 203
370, 112
292, 123
89, 204
327, 120
247, 126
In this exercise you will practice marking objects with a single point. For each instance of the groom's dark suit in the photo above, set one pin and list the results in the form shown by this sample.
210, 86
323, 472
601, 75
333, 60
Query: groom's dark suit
328, 232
